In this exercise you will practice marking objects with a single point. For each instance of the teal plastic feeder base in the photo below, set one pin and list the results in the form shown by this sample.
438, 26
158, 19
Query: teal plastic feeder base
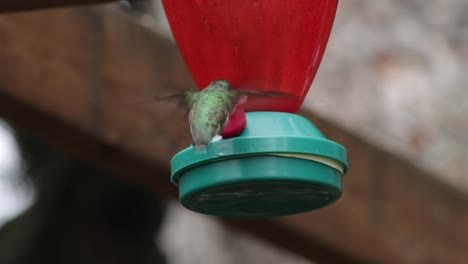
280, 165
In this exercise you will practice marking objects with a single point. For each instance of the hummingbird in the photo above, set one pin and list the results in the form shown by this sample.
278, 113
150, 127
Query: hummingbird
209, 109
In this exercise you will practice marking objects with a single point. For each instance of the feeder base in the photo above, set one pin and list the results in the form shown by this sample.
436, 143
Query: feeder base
280, 165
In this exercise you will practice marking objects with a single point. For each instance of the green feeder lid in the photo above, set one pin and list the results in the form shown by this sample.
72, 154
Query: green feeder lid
281, 164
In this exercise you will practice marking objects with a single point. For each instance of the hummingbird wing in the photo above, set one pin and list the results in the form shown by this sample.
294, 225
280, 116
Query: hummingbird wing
261, 100
184, 99
190, 97
272, 94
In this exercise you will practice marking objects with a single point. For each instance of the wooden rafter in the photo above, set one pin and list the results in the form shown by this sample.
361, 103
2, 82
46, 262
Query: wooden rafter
7, 6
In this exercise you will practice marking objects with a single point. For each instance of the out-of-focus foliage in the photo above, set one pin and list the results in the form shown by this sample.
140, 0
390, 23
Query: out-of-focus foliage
395, 73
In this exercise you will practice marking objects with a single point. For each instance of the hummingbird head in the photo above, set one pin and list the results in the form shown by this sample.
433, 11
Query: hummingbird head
222, 83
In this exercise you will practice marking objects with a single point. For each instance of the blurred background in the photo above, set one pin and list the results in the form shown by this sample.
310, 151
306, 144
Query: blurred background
394, 73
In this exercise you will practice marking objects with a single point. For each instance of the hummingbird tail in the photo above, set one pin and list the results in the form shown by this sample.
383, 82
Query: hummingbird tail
199, 148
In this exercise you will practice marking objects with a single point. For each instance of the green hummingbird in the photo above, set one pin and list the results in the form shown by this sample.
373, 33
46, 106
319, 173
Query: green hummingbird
209, 109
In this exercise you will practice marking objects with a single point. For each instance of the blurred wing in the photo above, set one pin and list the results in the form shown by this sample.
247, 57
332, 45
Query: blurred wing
184, 100
190, 97
250, 93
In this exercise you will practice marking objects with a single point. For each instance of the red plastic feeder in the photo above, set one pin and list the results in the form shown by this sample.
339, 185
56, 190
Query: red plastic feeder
280, 163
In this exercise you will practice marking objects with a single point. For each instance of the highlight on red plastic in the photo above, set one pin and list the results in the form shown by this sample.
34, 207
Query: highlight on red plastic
259, 45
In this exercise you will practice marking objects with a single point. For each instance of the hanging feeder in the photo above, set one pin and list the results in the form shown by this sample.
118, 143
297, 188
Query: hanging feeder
280, 163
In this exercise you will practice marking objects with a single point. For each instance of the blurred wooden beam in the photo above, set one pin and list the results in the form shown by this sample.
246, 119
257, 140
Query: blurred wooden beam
7, 6
67, 76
